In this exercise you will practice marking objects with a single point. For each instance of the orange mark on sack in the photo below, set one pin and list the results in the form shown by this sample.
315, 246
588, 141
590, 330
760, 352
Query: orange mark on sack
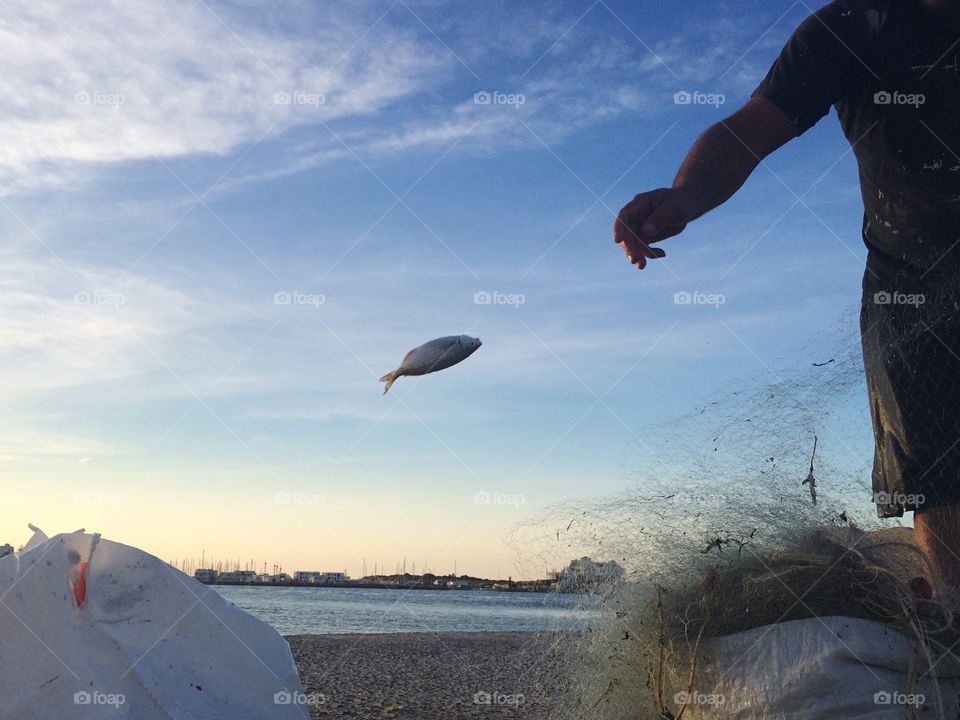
80, 587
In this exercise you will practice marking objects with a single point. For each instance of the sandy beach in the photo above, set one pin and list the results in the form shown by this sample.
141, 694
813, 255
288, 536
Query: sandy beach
430, 675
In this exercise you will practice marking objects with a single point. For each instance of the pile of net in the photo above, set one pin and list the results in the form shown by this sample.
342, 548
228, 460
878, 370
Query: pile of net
754, 578
837, 622
840, 625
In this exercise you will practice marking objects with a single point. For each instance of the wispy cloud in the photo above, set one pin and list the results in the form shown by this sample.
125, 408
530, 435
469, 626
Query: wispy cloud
133, 80
138, 80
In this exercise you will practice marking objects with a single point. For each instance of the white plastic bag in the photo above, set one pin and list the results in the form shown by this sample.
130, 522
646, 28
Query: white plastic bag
89, 626
817, 669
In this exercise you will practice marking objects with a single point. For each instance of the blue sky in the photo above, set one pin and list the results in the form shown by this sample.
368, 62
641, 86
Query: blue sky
169, 169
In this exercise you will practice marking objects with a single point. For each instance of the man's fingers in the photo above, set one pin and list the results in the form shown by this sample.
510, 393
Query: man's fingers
632, 216
637, 243
635, 247
639, 260
626, 232
648, 218
638, 252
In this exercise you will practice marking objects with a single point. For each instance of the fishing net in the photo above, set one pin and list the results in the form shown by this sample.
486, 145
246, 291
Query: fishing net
753, 509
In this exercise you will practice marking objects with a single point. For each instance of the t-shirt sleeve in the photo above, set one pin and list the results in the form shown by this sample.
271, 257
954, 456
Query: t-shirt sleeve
817, 66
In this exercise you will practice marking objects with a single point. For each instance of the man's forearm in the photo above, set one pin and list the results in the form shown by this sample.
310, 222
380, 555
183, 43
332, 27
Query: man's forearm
715, 168
722, 159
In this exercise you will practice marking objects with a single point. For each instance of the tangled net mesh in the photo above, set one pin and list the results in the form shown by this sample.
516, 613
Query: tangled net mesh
754, 508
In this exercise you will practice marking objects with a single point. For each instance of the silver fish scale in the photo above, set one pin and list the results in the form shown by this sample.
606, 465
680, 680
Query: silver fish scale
434, 355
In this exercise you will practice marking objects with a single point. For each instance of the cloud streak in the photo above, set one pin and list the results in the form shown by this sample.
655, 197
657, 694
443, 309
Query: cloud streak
130, 80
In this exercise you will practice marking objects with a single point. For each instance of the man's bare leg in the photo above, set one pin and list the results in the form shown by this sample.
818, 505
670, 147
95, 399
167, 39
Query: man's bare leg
937, 532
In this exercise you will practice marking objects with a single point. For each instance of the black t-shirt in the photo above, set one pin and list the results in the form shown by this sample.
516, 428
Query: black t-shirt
893, 72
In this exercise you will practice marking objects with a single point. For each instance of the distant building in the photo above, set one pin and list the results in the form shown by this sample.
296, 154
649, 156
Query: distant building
279, 579
312, 577
238, 576
206, 575
461, 583
585, 574
307, 577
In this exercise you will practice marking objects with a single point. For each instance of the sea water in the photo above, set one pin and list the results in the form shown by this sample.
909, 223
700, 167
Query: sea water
330, 610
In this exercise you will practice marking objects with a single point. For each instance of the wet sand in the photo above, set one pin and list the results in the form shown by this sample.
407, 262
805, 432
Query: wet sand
430, 675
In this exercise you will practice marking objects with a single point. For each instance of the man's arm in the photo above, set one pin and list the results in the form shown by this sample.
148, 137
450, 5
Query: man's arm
716, 167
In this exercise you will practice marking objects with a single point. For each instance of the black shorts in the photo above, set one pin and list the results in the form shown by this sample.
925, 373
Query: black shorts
910, 329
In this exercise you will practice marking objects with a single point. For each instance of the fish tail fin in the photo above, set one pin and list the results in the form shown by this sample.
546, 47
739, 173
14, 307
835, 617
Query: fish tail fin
389, 379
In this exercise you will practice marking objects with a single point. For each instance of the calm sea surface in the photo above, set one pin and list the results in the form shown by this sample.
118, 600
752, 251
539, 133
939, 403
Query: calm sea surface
296, 610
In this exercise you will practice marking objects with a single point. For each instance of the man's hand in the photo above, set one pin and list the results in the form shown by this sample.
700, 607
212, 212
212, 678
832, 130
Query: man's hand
649, 218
